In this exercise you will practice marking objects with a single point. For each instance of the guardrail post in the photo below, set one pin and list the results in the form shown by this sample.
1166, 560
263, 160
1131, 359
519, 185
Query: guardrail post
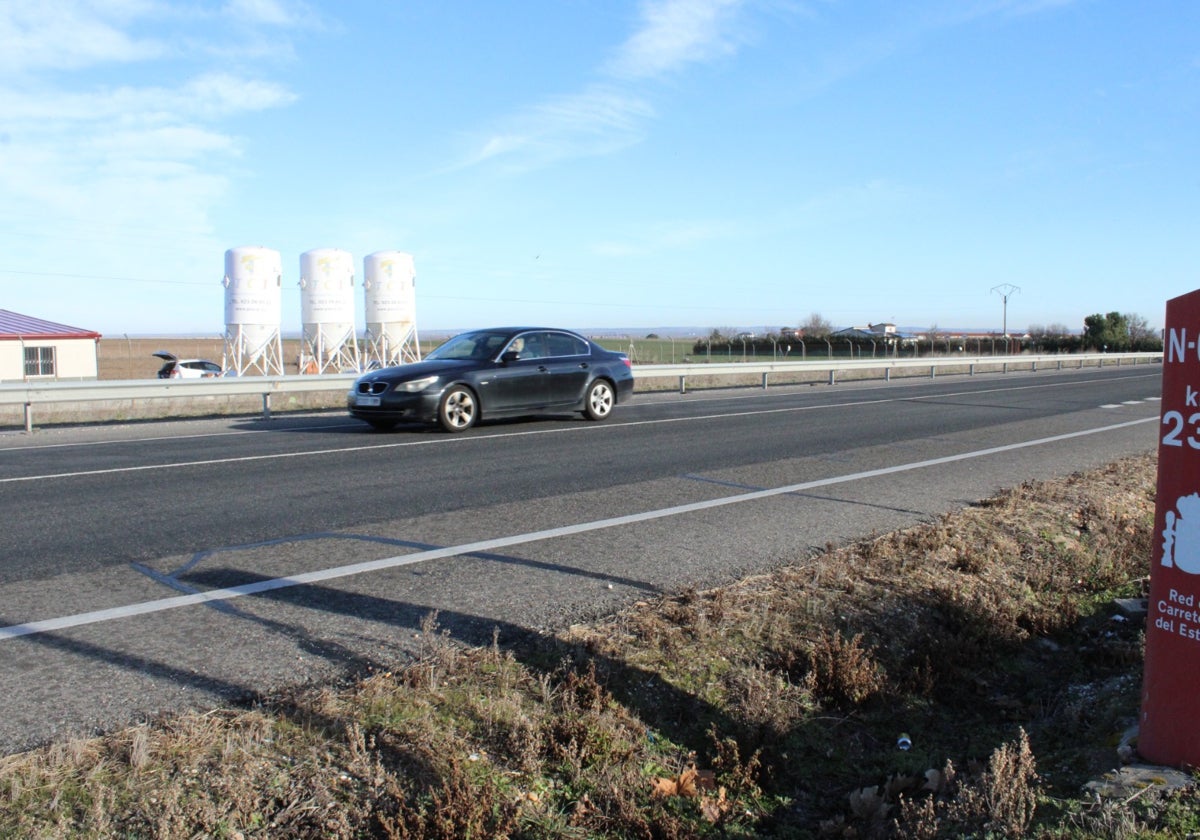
683, 384
932, 371
765, 375
887, 374
1005, 367
266, 406
1059, 365
1034, 366
28, 418
832, 377
971, 369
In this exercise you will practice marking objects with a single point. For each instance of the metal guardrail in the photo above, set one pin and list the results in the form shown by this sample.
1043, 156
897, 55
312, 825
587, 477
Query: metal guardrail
30, 394
890, 364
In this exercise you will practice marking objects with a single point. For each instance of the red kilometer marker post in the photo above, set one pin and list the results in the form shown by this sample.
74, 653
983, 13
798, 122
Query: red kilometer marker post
1170, 728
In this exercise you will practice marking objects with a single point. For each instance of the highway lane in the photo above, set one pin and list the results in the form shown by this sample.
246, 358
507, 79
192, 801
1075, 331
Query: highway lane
108, 517
112, 502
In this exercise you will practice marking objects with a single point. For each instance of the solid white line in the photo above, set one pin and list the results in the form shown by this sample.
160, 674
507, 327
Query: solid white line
74, 444
229, 593
578, 428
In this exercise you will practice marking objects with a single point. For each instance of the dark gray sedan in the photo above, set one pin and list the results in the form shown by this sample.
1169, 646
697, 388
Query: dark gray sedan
496, 372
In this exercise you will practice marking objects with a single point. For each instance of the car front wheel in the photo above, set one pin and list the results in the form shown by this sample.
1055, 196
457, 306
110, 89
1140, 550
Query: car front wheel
600, 400
458, 409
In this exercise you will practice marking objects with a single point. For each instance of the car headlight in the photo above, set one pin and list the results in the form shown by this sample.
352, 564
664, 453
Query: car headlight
414, 385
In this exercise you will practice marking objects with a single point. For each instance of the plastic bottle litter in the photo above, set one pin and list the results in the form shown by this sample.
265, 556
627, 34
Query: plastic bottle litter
904, 742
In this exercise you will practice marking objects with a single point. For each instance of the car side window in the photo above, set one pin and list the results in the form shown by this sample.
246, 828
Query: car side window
535, 346
561, 344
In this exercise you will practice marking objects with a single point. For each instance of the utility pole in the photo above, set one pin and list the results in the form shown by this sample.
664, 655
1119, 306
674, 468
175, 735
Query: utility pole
1006, 290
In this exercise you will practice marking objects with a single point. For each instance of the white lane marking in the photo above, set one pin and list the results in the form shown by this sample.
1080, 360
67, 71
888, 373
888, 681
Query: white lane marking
192, 436
229, 593
564, 430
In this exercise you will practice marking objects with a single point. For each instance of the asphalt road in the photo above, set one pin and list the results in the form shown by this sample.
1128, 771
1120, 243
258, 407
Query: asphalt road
150, 567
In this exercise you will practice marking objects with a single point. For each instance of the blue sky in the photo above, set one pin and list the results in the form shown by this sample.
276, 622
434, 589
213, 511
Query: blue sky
606, 163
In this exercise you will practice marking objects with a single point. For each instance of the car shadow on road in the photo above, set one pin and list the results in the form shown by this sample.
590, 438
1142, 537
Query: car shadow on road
656, 702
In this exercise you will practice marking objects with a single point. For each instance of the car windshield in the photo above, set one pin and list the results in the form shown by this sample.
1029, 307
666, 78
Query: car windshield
476, 345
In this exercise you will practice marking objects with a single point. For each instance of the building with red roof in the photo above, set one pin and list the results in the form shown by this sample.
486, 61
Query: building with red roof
34, 349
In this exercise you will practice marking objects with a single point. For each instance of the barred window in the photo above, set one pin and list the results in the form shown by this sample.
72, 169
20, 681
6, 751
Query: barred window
39, 361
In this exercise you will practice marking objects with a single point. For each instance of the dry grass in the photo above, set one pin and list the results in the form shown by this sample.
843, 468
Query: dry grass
767, 709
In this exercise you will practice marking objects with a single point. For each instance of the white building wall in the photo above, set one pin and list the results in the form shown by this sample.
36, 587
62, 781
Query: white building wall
75, 358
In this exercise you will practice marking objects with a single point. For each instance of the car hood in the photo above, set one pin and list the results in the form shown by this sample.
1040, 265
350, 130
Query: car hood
416, 370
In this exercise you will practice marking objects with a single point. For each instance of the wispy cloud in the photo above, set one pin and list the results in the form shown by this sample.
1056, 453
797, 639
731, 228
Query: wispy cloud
600, 120
676, 33
70, 34
90, 158
285, 14
613, 112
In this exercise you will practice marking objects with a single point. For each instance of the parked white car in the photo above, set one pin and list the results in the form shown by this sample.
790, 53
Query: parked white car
176, 368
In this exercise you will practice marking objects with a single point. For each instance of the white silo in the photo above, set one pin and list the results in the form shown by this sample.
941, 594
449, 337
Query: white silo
327, 311
390, 289
253, 298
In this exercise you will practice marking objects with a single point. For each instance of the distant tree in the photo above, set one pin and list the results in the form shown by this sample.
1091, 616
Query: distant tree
816, 326
651, 335
718, 338
1141, 336
1119, 332
1056, 338
1106, 332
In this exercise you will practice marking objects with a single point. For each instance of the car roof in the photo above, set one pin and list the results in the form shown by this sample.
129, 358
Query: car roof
523, 329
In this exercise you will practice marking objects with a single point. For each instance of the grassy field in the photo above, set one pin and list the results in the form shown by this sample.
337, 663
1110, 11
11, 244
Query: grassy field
772, 708
130, 358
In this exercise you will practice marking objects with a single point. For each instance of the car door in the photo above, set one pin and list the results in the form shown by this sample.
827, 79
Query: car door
521, 383
569, 364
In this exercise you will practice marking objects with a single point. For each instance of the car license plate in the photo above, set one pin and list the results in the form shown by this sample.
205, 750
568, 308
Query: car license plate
367, 401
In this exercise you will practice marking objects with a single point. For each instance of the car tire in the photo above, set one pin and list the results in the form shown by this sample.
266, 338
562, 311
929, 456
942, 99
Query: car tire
458, 409
600, 399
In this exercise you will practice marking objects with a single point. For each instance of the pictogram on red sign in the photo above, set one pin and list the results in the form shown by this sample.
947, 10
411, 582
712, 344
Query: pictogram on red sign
1170, 726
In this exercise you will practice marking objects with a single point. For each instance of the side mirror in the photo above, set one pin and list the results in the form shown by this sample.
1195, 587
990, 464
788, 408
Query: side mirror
510, 356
